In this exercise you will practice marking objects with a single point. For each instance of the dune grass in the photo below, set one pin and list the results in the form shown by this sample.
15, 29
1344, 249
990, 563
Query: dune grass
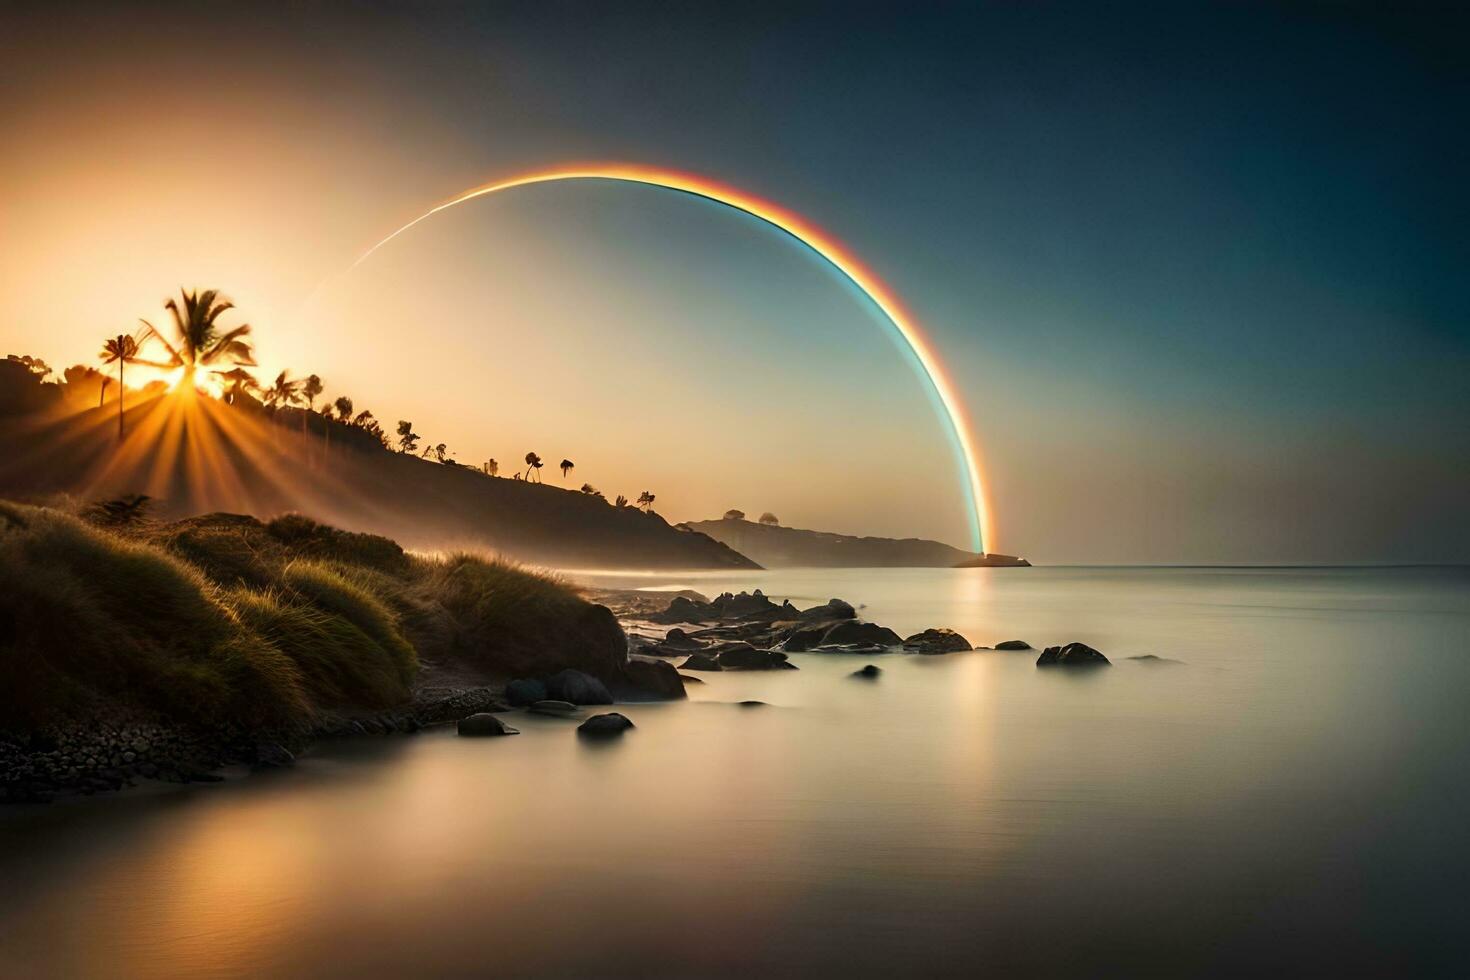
225, 620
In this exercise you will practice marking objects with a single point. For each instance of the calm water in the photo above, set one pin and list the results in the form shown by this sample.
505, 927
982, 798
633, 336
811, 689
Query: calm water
1292, 799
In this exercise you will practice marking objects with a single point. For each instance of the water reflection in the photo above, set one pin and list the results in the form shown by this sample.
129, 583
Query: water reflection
1220, 817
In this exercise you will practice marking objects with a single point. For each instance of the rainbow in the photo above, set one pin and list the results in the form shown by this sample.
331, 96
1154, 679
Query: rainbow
829, 248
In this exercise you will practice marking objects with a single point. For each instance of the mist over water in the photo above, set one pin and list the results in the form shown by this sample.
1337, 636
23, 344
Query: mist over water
1290, 798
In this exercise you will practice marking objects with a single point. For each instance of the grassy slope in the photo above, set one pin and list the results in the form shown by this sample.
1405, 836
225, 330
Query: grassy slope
225, 620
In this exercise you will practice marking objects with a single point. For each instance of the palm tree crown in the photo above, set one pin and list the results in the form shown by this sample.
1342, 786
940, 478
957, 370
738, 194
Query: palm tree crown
198, 340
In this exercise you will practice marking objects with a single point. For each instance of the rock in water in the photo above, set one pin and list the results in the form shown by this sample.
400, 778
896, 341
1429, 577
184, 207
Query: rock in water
484, 724
677, 639
851, 632
561, 709
700, 661
654, 677
577, 687
870, 671
610, 723
1072, 655
833, 609
1013, 645
936, 641
526, 690
747, 657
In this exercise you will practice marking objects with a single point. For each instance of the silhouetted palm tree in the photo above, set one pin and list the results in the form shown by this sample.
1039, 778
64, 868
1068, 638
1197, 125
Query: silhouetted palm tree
566, 467
621, 501
645, 500
343, 405
283, 391
491, 467
441, 452
121, 350
533, 466
198, 342
310, 388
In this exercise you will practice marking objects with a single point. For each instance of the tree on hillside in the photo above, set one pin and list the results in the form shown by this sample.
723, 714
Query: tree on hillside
490, 467
621, 501
198, 341
34, 365
343, 405
645, 500
408, 440
284, 391
121, 350
769, 518
310, 389
441, 453
734, 515
566, 467
533, 466
590, 490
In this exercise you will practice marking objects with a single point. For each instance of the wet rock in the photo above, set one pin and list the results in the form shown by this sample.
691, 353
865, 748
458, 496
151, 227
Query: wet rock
935, 641
524, 691
1149, 659
852, 631
654, 678
804, 638
1013, 645
833, 609
700, 661
578, 688
611, 723
677, 639
743, 656
750, 704
484, 724
560, 709
691, 680
1071, 655
868, 672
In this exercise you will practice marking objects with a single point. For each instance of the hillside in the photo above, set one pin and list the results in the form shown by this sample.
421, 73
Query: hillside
194, 455
776, 547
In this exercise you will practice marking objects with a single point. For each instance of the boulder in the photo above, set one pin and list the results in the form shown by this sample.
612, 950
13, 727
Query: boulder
803, 638
747, 657
690, 680
936, 641
577, 687
484, 724
747, 607
657, 678
685, 610
700, 661
868, 672
851, 631
1150, 659
1071, 655
561, 709
1013, 645
832, 609
610, 723
524, 691
677, 639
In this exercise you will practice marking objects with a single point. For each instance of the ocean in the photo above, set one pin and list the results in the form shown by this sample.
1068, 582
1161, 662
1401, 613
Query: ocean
1284, 793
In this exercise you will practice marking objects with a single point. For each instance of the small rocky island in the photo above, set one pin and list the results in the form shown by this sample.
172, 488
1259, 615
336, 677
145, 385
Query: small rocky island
774, 546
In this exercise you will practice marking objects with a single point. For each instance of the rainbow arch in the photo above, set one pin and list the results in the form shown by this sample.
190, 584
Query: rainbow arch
838, 255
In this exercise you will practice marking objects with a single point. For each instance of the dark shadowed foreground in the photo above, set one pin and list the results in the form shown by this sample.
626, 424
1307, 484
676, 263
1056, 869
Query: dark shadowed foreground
1287, 800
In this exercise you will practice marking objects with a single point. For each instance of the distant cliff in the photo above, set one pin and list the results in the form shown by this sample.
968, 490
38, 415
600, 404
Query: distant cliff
775, 547
199, 455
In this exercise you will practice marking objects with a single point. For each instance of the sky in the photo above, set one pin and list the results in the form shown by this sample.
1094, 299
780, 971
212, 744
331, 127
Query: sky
1196, 271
